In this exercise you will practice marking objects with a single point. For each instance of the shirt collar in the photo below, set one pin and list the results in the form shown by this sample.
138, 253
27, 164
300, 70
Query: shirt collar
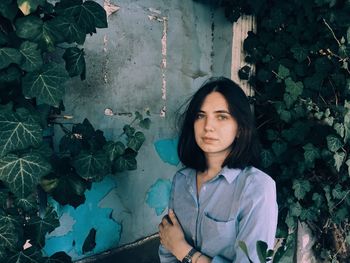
230, 174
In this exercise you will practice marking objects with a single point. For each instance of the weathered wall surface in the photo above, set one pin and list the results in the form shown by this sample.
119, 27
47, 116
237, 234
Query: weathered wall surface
153, 56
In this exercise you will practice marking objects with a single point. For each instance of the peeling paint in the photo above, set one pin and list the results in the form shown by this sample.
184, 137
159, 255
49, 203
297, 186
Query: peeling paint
70, 238
167, 150
163, 63
158, 195
106, 61
110, 8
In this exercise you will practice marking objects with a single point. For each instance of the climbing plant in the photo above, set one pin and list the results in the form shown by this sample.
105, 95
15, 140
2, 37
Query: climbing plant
302, 104
41, 48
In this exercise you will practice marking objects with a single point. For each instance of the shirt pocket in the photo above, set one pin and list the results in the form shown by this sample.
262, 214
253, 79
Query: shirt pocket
218, 236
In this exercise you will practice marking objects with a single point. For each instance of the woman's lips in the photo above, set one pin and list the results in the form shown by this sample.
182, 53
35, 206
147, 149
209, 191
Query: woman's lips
209, 139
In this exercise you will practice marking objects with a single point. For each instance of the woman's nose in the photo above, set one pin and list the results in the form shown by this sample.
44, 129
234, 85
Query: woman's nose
209, 125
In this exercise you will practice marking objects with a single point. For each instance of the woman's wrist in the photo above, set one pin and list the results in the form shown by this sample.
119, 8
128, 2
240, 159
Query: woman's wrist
181, 251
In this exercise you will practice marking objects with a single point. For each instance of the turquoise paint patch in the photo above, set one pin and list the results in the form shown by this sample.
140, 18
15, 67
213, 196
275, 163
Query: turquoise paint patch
88, 215
158, 195
167, 150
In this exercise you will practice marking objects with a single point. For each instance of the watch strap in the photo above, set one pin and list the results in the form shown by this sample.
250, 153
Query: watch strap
188, 257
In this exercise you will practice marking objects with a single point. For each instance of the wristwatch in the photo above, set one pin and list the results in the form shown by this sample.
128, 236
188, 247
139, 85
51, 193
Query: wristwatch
188, 257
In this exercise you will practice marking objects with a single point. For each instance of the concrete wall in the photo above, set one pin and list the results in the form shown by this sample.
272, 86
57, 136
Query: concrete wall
153, 56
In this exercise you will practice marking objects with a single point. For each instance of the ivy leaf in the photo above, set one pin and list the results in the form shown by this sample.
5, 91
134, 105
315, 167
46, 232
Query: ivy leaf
295, 209
339, 158
92, 166
295, 89
283, 72
22, 174
318, 199
337, 192
128, 130
145, 123
333, 143
114, 149
29, 6
311, 153
18, 132
28, 204
136, 141
10, 74
37, 227
69, 29
32, 57
299, 53
8, 9
301, 188
261, 249
59, 257
47, 85
279, 147
125, 162
244, 248
88, 15
8, 234
8, 56
348, 164
75, 62
30, 255
340, 129
267, 158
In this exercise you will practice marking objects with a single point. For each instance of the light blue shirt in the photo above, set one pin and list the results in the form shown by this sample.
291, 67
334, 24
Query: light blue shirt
235, 205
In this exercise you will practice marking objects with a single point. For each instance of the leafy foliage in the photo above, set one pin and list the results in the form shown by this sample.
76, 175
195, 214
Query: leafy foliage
40, 48
301, 51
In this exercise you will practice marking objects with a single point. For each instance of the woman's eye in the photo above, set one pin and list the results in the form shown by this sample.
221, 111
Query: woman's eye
222, 117
200, 116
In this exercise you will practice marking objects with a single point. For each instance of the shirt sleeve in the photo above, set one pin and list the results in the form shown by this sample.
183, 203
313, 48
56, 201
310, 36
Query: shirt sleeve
165, 255
257, 219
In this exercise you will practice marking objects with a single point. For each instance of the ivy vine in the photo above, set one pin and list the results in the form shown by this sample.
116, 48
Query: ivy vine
302, 103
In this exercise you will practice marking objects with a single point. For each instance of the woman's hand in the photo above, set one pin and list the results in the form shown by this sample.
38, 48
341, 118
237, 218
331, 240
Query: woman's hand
172, 236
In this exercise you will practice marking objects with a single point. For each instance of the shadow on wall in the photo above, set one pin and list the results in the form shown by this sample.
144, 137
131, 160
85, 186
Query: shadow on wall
142, 251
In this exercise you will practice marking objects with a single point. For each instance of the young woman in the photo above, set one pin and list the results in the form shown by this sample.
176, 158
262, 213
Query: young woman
219, 198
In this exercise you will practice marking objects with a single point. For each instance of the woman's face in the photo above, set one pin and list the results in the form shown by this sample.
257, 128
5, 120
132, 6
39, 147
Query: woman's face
215, 128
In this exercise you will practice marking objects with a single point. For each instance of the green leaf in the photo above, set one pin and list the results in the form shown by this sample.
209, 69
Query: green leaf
28, 205
88, 15
75, 62
136, 141
267, 158
285, 115
29, 27
32, 57
338, 192
8, 56
294, 88
283, 72
339, 158
29, 6
37, 227
333, 143
244, 248
22, 174
92, 166
8, 9
295, 209
46, 86
301, 188
261, 249
318, 199
288, 99
311, 153
348, 164
30, 255
69, 29
12, 73
18, 132
145, 123
299, 53
124, 162
114, 149
340, 129
279, 147
128, 130
8, 234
